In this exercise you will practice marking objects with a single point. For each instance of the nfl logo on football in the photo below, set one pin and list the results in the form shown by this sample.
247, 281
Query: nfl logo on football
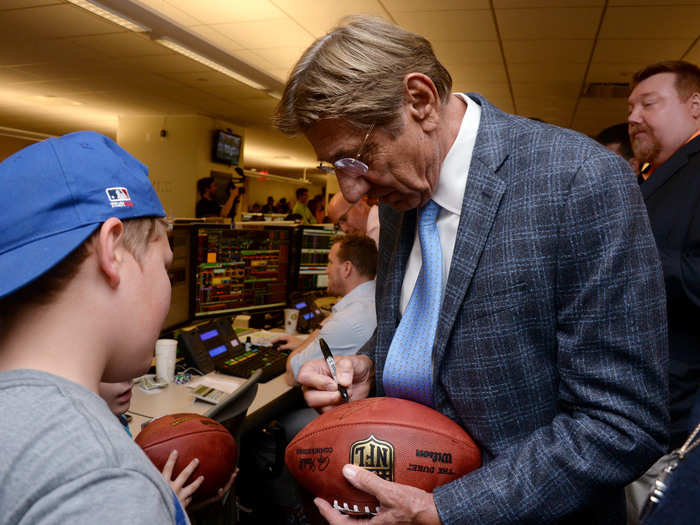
119, 197
374, 455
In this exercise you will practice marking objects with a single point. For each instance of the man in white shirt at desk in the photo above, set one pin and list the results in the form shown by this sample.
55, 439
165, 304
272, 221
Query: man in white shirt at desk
352, 265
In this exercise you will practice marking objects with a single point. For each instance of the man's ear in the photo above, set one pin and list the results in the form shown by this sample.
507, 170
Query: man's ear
347, 269
109, 250
422, 100
694, 103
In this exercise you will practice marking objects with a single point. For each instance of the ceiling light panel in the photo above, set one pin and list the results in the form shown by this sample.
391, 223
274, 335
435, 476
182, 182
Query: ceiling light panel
110, 15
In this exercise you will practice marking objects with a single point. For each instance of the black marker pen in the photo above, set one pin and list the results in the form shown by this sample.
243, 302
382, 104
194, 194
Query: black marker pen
331, 365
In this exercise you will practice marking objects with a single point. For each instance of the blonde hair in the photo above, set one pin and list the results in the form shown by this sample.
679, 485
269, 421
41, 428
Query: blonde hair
355, 73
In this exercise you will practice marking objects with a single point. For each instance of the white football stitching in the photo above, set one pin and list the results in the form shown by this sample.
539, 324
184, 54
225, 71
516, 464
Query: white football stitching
346, 507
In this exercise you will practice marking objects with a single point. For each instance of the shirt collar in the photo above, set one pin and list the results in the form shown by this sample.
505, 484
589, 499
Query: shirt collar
359, 292
453, 172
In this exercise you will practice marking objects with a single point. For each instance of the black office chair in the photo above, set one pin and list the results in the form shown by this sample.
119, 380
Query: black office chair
231, 410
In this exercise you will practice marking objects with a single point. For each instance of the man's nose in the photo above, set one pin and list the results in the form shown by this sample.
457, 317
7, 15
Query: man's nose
353, 188
634, 115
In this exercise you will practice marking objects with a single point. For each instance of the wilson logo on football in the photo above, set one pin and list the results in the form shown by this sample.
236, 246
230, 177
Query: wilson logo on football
118, 197
374, 455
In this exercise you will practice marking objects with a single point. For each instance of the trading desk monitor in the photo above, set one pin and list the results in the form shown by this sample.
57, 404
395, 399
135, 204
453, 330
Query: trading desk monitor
313, 258
180, 276
240, 269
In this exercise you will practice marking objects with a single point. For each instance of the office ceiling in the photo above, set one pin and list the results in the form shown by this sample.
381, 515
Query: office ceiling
63, 68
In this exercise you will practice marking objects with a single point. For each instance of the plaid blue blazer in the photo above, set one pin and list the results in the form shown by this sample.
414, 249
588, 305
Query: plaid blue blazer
551, 349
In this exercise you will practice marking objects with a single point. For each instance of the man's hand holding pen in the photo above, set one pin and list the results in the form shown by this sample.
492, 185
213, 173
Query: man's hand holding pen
354, 372
330, 361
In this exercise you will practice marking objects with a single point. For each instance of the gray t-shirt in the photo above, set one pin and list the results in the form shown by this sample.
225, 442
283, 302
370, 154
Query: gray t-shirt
65, 458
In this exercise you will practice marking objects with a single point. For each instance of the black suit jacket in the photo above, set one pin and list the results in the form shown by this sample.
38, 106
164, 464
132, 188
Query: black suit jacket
672, 196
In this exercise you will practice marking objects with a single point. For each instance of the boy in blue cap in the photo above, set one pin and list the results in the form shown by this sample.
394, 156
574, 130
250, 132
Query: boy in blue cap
84, 290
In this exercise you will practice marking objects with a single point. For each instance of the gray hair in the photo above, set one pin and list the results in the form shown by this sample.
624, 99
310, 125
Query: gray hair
355, 73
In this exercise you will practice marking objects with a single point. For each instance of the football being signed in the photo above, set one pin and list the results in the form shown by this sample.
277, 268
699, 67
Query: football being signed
396, 439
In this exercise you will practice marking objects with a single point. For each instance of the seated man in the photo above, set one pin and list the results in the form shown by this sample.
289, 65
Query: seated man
352, 264
354, 218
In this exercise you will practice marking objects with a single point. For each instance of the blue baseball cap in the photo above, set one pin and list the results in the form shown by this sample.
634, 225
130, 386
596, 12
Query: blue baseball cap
56, 193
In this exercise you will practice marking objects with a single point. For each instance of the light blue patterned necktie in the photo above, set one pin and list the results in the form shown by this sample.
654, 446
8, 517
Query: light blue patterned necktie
408, 371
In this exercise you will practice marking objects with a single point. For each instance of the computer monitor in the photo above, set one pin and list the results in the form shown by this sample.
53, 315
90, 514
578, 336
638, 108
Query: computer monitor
180, 277
239, 270
312, 257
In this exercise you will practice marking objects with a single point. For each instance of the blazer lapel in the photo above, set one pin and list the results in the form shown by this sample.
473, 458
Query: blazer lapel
482, 197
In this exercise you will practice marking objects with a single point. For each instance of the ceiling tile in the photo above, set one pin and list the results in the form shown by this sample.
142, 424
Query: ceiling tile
397, 6
638, 51
466, 74
234, 94
65, 20
515, 4
174, 13
546, 72
280, 57
652, 23
12, 75
224, 11
15, 52
467, 52
694, 53
560, 23
320, 17
450, 25
497, 94
653, 2
172, 63
555, 110
212, 81
121, 45
613, 72
254, 57
223, 40
19, 4
66, 70
532, 51
281, 32
555, 89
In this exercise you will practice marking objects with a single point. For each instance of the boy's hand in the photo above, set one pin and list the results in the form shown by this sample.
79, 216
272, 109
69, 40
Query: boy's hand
183, 492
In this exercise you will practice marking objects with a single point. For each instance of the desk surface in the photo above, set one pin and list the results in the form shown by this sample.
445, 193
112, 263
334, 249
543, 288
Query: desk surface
176, 398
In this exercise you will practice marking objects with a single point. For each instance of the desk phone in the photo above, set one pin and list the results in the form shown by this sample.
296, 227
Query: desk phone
210, 343
215, 346
310, 315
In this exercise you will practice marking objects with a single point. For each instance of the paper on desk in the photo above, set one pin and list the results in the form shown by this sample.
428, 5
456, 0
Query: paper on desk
219, 381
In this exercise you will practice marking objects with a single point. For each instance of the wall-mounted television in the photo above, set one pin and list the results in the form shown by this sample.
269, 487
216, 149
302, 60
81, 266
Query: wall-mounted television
227, 148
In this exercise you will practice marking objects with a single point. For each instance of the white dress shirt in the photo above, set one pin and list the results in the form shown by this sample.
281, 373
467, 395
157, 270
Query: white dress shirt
347, 329
449, 195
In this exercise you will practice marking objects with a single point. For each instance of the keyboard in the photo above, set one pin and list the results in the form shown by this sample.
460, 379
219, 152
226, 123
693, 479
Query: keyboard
271, 360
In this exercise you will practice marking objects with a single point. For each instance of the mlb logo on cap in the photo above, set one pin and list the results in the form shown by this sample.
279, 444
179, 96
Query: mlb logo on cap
119, 197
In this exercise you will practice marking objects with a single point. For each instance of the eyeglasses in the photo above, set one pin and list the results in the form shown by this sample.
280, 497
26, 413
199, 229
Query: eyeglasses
354, 167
